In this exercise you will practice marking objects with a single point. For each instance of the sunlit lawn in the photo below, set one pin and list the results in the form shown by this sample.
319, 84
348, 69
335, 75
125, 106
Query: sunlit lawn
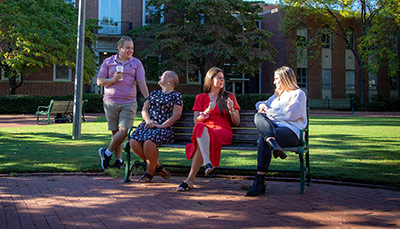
362, 149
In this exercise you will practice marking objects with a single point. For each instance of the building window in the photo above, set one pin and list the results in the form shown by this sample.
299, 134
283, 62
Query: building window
110, 16
326, 37
193, 75
301, 35
372, 85
302, 56
153, 68
62, 73
350, 82
302, 77
350, 38
70, 1
234, 81
394, 86
150, 15
326, 83
3, 75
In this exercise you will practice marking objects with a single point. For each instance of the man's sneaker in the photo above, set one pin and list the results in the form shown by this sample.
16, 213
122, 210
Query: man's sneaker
118, 164
105, 160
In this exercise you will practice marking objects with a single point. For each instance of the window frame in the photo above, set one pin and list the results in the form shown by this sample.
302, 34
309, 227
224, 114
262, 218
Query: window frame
326, 37
144, 14
55, 79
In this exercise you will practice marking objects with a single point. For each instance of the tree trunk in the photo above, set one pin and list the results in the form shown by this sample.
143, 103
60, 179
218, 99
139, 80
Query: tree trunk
13, 85
12, 79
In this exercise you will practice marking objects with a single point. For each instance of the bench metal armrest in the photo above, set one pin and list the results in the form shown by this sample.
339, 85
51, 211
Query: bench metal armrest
42, 108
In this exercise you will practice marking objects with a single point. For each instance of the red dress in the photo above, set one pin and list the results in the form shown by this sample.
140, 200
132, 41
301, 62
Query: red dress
219, 128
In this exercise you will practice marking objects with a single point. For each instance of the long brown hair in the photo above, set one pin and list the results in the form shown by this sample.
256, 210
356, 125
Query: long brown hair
287, 78
222, 94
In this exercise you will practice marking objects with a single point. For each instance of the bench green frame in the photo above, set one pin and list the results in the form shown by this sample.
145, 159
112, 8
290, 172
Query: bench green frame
59, 107
244, 138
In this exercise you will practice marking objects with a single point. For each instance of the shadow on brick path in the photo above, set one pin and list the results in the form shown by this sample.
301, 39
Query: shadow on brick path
105, 202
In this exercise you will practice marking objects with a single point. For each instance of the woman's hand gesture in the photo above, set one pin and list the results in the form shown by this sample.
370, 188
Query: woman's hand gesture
262, 108
229, 104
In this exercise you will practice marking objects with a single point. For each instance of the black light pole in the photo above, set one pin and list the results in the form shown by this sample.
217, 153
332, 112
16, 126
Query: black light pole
76, 130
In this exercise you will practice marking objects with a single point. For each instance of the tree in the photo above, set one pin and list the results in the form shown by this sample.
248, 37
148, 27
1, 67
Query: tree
199, 34
377, 20
36, 34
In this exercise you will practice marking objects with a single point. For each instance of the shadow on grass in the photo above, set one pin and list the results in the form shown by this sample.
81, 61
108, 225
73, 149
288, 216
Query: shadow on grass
356, 121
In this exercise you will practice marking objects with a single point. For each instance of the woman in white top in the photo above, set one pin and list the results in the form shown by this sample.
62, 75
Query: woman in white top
279, 120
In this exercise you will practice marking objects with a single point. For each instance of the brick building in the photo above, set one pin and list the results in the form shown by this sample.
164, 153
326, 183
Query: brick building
332, 74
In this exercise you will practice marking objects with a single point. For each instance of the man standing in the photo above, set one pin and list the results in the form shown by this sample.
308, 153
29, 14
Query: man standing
119, 75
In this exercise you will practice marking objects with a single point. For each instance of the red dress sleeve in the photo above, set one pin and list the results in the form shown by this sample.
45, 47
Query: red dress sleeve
199, 103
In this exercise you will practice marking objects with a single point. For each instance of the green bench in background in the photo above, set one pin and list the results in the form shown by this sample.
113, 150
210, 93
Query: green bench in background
65, 108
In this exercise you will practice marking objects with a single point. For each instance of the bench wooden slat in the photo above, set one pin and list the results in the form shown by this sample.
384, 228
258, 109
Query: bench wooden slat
62, 107
191, 125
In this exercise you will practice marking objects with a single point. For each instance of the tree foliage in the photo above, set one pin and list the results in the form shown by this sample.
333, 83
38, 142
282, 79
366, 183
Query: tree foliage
378, 19
204, 33
37, 34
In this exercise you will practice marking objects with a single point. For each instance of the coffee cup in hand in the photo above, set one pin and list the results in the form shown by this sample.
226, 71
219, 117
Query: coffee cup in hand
121, 70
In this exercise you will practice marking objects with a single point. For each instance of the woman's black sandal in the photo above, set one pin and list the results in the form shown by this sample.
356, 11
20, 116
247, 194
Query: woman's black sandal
164, 174
146, 178
184, 187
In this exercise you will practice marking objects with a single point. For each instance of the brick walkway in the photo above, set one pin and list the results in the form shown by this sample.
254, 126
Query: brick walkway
104, 202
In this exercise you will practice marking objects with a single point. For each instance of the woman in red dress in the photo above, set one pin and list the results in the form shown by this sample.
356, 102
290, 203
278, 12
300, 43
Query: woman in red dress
214, 111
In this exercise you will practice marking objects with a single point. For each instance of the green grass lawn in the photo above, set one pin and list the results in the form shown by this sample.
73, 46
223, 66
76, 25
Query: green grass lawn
362, 149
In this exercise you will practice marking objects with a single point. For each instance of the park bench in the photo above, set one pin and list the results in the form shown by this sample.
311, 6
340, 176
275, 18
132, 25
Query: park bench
65, 110
338, 104
245, 137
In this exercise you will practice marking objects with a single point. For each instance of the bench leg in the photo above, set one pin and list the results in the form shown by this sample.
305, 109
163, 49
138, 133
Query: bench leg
48, 119
301, 158
37, 119
127, 149
308, 172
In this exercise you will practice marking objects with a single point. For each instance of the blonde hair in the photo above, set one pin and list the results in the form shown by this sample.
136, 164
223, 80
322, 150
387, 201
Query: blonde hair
287, 78
222, 94
174, 76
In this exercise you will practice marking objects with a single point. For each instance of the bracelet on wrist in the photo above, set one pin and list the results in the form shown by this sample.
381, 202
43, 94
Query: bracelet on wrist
232, 111
203, 115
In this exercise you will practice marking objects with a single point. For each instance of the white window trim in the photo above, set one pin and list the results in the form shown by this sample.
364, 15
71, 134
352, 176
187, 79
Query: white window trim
62, 80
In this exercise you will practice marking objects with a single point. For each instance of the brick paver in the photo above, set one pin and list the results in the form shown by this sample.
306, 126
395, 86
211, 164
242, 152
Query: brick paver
105, 202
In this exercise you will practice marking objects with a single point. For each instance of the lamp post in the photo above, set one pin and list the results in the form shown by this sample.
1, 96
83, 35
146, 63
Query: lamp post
76, 130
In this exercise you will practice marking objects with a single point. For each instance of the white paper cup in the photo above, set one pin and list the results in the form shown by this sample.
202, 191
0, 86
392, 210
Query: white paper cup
120, 69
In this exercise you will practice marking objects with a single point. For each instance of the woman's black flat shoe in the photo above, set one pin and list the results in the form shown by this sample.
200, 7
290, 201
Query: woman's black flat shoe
184, 187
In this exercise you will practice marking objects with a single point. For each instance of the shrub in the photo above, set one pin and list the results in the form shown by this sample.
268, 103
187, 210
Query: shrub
27, 104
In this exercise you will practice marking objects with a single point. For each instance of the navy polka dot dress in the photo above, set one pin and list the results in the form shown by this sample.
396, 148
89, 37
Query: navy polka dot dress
161, 106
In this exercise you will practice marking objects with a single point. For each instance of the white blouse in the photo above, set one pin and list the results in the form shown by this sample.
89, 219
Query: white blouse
288, 110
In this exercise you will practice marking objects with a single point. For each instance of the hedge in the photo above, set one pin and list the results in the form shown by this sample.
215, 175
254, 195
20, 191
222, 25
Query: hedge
27, 104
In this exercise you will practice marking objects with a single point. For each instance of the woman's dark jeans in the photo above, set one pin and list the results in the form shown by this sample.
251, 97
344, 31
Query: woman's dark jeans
266, 128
